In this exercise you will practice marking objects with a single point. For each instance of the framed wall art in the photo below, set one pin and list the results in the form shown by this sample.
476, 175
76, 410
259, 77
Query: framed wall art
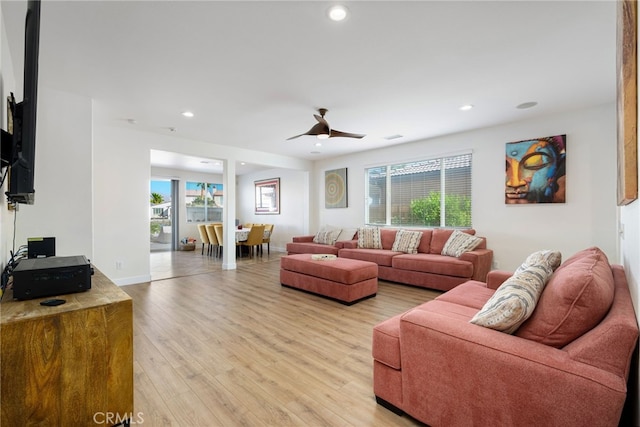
335, 188
268, 196
627, 105
535, 170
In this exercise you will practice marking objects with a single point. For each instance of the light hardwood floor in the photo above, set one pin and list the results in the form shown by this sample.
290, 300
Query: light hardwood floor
217, 347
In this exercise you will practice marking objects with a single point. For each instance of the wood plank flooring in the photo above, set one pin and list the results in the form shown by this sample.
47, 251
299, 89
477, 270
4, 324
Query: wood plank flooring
217, 347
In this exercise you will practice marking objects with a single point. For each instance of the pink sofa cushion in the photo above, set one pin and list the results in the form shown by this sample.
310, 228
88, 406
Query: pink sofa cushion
386, 342
387, 237
577, 297
472, 294
435, 264
311, 248
425, 241
440, 237
379, 256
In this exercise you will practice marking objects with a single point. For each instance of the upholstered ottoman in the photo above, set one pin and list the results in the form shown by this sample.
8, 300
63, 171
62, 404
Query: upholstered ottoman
341, 279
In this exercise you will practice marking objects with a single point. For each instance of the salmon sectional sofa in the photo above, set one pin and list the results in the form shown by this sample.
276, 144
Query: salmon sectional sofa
567, 364
427, 267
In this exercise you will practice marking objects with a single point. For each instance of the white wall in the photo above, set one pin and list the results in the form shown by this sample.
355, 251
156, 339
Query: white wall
62, 183
294, 204
121, 205
513, 231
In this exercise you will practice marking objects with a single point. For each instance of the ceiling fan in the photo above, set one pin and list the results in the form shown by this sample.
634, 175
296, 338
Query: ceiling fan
322, 129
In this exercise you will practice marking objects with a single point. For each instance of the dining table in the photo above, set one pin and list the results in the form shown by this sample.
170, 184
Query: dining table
243, 234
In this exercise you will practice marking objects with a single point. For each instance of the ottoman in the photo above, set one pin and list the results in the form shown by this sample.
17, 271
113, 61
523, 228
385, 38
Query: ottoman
345, 280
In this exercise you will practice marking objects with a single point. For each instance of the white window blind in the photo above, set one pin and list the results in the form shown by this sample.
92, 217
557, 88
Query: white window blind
434, 192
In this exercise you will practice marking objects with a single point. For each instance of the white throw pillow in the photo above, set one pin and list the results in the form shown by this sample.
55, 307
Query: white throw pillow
515, 300
347, 234
459, 243
369, 238
326, 237
407, 241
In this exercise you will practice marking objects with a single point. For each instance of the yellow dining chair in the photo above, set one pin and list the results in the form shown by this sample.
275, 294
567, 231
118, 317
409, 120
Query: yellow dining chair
213, 239
217, 228
204, 237
267, 240
220, 236
255, 238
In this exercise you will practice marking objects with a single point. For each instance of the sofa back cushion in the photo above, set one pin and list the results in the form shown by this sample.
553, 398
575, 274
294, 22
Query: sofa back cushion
424, 246
387, 237
440, 237
576, 298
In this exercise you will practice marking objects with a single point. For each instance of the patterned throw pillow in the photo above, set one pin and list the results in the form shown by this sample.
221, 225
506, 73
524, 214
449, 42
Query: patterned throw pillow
407, 241
369, 238
514, 301
460, 243
326, 237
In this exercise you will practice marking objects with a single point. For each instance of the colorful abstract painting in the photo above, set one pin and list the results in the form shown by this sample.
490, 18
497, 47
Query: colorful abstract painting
535, 170
335, 188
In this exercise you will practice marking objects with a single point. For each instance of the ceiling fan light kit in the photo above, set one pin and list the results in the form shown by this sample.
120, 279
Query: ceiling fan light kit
322, 130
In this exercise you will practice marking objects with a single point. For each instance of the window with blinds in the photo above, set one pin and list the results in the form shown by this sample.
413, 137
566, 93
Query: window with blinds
434, 192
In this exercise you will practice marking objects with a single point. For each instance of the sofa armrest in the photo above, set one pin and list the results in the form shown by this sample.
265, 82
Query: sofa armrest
348, 244
495, 278
303, 239
481, 260
455, 373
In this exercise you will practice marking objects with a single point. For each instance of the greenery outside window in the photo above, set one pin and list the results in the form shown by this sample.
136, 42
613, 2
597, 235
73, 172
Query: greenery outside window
433, 192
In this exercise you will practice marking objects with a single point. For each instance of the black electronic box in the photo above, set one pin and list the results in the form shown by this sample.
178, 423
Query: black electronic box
43, 277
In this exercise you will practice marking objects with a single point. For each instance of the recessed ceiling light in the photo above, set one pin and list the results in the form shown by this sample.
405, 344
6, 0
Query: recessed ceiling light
242, 163
526, 105
318, 144
187, 113
338, 13
466, 107
315, 152
390, 137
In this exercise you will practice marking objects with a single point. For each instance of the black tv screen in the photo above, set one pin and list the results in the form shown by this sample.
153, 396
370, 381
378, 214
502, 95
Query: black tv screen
21, 178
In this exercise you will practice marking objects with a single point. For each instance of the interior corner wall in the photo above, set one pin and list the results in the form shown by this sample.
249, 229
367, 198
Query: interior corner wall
589, 216
293, 219
121, 204
62, 207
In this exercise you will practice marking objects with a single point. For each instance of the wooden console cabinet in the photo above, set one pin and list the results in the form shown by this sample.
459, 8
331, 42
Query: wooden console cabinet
69, 365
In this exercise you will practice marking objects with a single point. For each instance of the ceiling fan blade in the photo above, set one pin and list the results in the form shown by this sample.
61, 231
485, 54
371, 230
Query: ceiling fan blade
317, 129
336, 133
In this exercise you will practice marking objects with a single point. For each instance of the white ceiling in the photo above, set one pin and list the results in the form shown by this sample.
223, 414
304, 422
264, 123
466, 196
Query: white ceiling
254, 73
